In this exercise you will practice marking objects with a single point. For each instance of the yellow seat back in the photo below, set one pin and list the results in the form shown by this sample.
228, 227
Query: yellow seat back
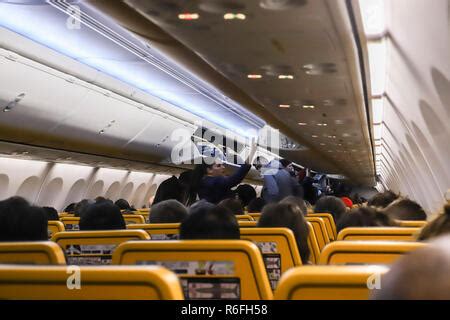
366, 252
159, 231
54, 227
255, 216
208, 269
329, 282
278, 247
412, 224
133, 219
247, 224
379, 233
71, 223
320, 231
96, 283
94, 247
313, 245
244, 217
329, 223
45, 253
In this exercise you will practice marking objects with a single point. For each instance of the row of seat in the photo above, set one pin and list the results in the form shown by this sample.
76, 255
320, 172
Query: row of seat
157, 283
221, 264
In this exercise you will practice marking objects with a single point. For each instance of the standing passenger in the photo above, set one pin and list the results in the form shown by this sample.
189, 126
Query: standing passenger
210, 183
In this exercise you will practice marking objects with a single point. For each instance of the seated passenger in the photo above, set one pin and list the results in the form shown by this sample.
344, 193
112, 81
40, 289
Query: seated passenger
347, 202
288, 215
297, 201
19, 221
256, 205
81, 207
208, 221
52, 214
365, 217
245, 193
405, 209
439, 226
70, 208
168, 211
102, 216
124, 205
332, 205
382, 200
419, 275
234, 205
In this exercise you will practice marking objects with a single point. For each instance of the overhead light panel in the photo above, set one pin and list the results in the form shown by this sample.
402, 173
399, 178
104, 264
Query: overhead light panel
234, 16
285, 77
254, 76
284, 106
308, 106
188, 16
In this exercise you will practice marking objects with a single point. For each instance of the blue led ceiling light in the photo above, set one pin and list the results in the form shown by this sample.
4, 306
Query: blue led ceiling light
107, 47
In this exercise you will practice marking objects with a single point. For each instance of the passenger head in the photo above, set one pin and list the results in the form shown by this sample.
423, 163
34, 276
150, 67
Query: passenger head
287, 215
233, 205
70, 208
419, 275
185, 177
168, 211
100, 199
382, 200
365, 217
245, 193
19, 221
405, 209
123, 204
102, 216
286, 164
208, 167
298, 202
437, 227
81, 207
332, 205
169, 189
52, 214
256, 205
208, 221
347, 202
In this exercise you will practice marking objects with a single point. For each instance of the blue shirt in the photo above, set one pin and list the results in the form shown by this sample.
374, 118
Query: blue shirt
216, 189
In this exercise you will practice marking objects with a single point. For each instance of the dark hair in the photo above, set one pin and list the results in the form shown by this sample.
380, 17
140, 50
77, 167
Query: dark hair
332, 205
81, 207
123, 204
256, 205
285, 162
439, 226
382, 199
168, 211
197, 175
52, 214
169, 189
288, 215
246, 193
70, 208
185, 177
405, 209
102, 216
208, 221
19, 221
233, 205
365, 217
298, 202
